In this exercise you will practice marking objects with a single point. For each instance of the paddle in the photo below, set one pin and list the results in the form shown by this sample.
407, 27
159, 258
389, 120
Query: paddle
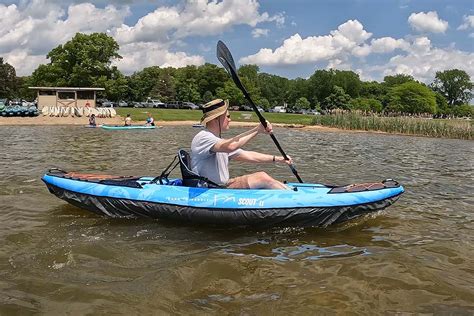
226, 59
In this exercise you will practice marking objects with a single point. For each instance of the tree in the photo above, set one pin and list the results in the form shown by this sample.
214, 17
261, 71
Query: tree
7, 79
412, 97
302, 104
398, 79
80, 62
231, 92
366, 104
455, 85
338, 99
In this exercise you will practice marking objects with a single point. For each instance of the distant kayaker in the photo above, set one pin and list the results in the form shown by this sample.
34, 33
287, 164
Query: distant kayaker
128, 120
210, 154
150, 121
92, 120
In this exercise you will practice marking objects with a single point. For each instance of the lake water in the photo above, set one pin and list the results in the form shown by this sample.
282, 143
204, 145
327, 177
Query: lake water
414, 257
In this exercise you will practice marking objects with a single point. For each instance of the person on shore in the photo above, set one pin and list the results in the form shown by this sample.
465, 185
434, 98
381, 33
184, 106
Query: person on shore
210, 154
128, 120
92, 120
150, 121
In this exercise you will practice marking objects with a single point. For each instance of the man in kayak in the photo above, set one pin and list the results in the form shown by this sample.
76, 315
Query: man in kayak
128, 120
210, 153
150, 121
92, 120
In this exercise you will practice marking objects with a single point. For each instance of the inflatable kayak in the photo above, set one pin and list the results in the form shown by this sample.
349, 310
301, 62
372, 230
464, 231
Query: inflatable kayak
123, 127
304, 205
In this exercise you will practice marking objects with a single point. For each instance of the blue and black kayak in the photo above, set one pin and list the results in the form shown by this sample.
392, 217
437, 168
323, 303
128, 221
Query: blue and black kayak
128, 127
304, 205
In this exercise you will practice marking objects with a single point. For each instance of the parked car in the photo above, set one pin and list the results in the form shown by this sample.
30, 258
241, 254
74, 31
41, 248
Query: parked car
245, 107
278, 109
150, 103
189, 105
174, 105
313, 112
107, 104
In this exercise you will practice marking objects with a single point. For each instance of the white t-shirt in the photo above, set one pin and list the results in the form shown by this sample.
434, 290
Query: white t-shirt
209, 164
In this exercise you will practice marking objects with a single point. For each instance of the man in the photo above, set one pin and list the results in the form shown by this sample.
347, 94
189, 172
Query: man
210, 153
128, 120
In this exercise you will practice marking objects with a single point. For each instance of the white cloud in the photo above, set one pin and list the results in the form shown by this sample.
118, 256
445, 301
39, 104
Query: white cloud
468, 22
29, 30
256, 33
136, 56
427, 22
348, 47
296, 50
197, 18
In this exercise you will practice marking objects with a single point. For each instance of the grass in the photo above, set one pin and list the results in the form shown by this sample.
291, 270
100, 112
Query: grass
461, 129
140, 114
442, 128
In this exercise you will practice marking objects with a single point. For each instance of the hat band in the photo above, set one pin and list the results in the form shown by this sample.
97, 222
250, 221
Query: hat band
213, 107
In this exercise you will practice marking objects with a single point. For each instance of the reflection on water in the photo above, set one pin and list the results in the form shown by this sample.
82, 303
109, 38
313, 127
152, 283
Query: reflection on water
414, 257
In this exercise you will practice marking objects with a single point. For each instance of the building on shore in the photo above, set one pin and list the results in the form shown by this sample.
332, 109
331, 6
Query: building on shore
66, 96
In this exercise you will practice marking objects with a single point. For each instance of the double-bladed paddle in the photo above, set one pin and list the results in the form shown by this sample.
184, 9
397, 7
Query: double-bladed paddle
225, 57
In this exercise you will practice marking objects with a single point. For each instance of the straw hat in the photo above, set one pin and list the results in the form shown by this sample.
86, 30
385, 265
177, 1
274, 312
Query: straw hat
213, 109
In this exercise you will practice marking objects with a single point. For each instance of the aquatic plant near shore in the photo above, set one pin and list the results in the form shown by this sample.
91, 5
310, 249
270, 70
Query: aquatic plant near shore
442, 128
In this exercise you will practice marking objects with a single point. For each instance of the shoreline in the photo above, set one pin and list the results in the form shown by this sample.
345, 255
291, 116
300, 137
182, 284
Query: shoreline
118, 120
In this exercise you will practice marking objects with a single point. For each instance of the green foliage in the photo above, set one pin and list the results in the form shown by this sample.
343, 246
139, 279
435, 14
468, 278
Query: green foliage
80, 62
7, 80
411, 97
366, 105
464, 110
302, 104
231, 92
274, 88
338, 99
189, 91
321, 84
455, 85
398, 79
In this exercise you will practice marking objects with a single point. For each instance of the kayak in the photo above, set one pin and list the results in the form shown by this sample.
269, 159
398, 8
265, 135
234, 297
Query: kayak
304, 205
123, 127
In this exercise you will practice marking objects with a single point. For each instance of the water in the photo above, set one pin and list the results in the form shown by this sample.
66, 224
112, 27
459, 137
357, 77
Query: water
414, 257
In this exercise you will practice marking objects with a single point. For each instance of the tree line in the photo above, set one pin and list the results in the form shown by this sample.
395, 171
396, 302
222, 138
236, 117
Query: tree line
87, 61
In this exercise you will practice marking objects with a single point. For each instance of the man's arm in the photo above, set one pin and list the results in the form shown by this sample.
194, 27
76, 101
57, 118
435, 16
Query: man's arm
253, 156
236, 142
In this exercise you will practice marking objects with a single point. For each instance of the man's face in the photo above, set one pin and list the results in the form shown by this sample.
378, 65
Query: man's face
225, 120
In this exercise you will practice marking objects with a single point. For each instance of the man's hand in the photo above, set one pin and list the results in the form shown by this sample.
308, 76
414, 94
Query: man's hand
267, 130
281, 159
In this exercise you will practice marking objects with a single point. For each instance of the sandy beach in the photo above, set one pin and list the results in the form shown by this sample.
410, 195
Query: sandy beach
118, 120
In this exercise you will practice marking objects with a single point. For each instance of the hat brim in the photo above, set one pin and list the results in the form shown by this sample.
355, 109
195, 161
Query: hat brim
215, 114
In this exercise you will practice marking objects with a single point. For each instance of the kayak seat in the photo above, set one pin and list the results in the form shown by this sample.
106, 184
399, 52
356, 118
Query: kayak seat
191, 178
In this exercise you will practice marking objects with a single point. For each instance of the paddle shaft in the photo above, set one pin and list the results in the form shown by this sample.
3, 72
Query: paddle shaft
225, 57
264, 123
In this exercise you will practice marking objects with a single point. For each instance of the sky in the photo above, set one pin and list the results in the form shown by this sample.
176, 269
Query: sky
291, 38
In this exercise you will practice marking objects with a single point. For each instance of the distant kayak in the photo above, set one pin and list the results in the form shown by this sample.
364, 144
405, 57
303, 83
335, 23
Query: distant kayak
122, 127
198, 125
92, 126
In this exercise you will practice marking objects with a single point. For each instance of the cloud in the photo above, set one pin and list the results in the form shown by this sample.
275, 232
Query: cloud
28, 33
348, 48
256, 33
468, 22
136, 56
296, 50
195, 18
29, 30
427, 22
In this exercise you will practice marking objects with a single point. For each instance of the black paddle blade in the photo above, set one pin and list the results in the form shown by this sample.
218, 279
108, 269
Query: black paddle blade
225, 57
